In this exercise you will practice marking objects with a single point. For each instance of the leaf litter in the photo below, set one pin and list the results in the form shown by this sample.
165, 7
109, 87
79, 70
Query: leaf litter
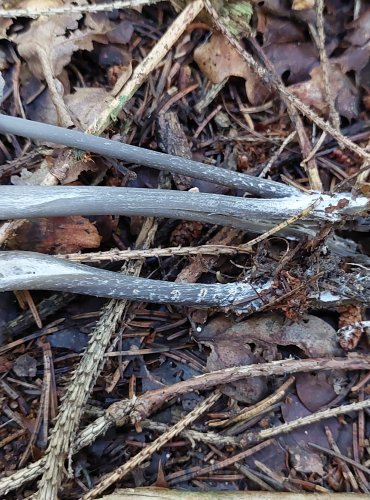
63, 69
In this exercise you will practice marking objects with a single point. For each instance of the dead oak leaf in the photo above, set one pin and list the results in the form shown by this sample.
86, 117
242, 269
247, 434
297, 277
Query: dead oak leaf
86, 103
218, 60
312, 93
52, 41
46, 37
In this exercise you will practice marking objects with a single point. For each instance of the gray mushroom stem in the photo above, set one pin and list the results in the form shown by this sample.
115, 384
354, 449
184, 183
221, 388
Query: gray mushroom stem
141, 156
33, 271
255, 215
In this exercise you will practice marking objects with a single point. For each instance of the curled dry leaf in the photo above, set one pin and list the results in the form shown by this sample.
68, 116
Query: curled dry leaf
85, 104
256, 340
46, 36
56, 235
227, 352
48, 44
218, 60
311, 92
314, 336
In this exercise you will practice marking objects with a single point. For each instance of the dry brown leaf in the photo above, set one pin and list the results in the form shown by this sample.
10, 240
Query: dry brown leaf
85, 104
314, 336
227, 351
279, 30
361, 30
56, 38
303, 4
48, 36
218, 60
56, 235
311, 92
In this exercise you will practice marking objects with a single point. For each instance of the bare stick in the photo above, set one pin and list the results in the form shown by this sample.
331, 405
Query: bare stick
252, 411
337, 454
325, 65
297, 122
186, 475
52, 11
140, 156
147, 452
146, 66
310, 419
122, 412
149, 402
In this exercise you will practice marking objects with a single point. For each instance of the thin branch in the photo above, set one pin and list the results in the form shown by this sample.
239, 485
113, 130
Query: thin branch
325, 65
122, 412
339, 455
52, 11
147, 452
146, 66
311, 419
297, 122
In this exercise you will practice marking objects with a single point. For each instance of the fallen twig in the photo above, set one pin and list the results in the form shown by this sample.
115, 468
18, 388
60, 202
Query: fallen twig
147, 452
127, 410
274, 83
309, 419
96, 7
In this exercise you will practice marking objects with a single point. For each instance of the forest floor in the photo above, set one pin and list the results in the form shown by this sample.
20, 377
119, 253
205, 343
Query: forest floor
269, 393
